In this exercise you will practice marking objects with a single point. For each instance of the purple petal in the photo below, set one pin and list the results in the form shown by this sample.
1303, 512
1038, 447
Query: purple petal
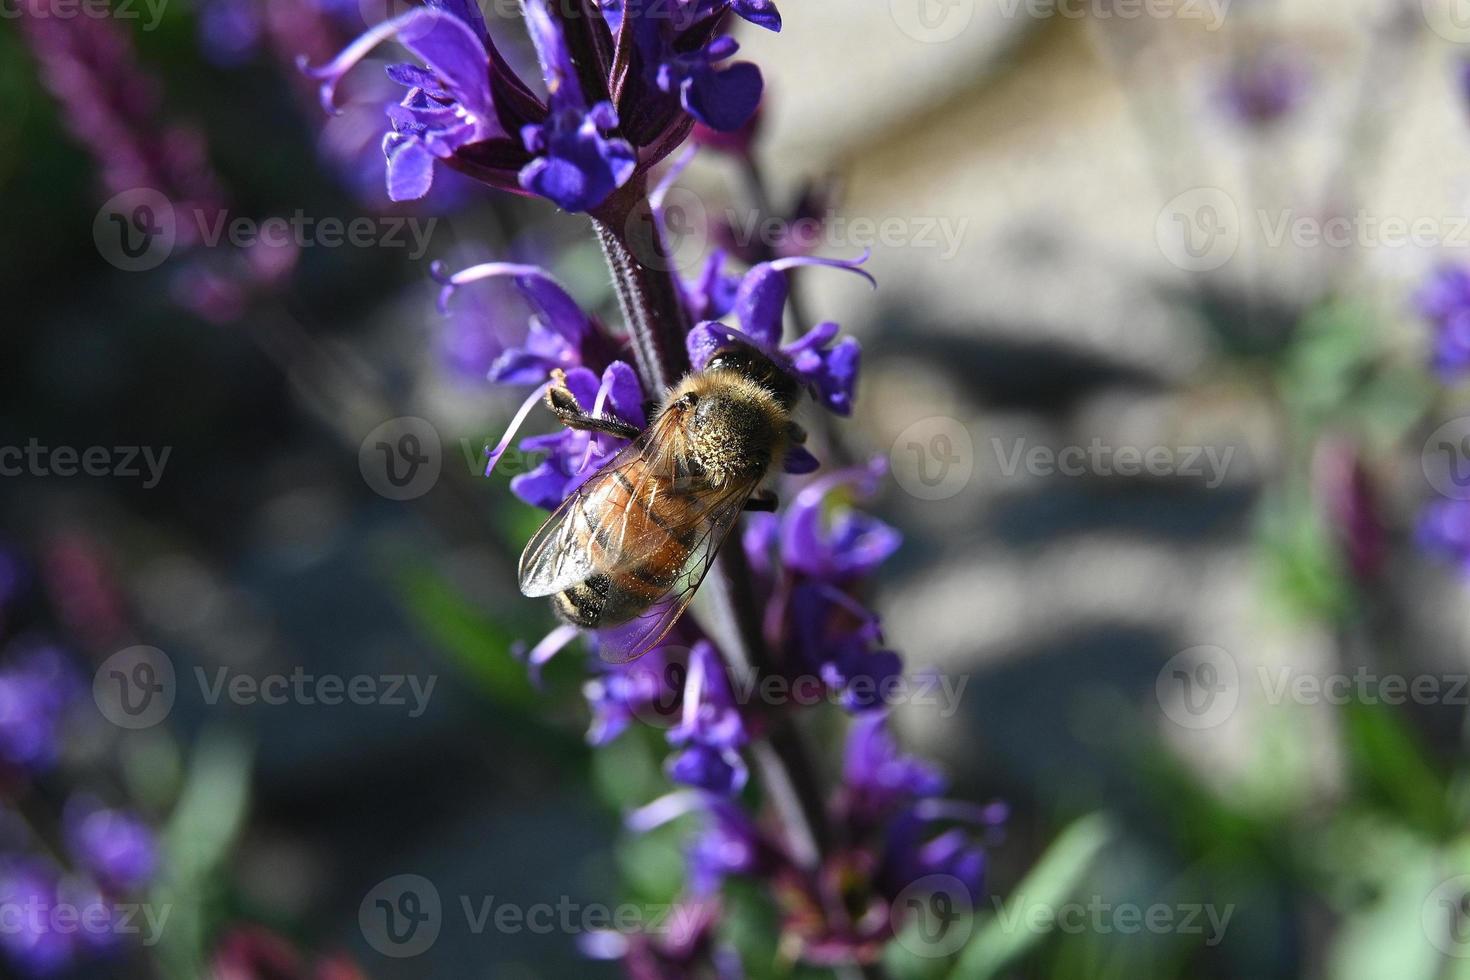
760, 302
708, 338
410, 167
798, 461
621, 393
761, 13
723, 99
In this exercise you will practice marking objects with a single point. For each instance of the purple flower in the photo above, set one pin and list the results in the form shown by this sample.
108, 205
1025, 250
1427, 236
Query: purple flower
877, 777
829, 371
842, 547
686, 948
114, 845
37, 687
710, 730
1444, 531
576, 167
450, 104
728, 842
31, 941
650, 688
1264, 86
466, 108
559, 334
1445, 302
572, 456
721, 98
898, 797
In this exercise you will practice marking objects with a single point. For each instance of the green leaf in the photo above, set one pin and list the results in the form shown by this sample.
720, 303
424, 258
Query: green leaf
195, 844
1389, 764
478, 643
1004, 937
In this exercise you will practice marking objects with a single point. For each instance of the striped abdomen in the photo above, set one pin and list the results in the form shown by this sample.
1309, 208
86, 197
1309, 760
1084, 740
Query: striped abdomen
636, 528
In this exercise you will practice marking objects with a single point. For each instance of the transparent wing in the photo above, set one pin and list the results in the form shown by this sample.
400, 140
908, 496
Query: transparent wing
712, 519
555, 558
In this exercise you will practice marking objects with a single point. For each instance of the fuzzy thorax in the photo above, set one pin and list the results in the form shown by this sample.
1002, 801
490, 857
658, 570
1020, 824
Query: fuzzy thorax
732, 427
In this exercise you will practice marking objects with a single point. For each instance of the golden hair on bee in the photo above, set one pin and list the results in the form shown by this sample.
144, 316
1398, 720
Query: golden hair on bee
728, 425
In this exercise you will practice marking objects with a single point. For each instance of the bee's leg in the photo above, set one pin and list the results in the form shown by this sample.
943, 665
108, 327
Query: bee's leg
796, 433
762, 501
563, 404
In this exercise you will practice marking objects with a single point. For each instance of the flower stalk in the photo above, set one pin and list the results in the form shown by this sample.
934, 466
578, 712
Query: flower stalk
657, 322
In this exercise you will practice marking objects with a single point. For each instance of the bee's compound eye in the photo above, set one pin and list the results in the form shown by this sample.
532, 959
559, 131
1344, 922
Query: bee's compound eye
689, 400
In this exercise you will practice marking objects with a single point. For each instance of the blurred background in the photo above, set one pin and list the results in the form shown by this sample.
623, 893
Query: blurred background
1151, 362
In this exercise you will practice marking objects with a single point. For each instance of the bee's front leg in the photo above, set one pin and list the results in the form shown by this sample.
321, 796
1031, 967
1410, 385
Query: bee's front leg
762, 501
564, 405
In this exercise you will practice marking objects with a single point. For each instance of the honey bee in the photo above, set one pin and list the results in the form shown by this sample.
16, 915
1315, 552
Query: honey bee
624, 553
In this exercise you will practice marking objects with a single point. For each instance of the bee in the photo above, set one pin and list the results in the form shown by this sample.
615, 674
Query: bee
624, 553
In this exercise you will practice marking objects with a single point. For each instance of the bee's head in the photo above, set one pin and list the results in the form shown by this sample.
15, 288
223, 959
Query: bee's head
757, 367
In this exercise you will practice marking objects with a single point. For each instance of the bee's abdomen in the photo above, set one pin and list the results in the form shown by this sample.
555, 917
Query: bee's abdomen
614, 597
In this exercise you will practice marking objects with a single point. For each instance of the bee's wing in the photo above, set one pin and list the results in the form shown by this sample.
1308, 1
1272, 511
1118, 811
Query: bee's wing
554, 558
712, 517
